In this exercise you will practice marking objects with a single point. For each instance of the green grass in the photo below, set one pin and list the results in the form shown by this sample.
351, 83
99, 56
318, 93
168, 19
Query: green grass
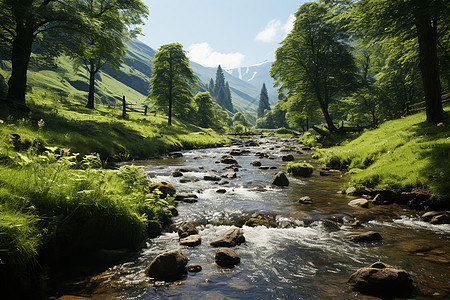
57, 202
68, 124
402, 155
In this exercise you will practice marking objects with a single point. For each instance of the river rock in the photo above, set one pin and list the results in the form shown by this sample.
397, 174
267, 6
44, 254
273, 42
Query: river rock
175, 155
416, 199
430, 214
352, 191
440, 219
191, 240
153, 229
184, 170
256, 163
173, 210
380, 200
221, 191
225, 257
368, 236
168, 266
228, 159
288, 157
381, 279
164, 187
258, 220
305, 200
186, 197
211, 178
223, 182
331, 225
360, 202
186, 229
305, 148
194, 268
229, 175
177, 174
280, 179
231, 238
187, 179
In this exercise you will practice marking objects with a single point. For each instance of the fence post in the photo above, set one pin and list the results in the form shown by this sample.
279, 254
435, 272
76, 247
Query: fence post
124, 109
145, 110
407, 108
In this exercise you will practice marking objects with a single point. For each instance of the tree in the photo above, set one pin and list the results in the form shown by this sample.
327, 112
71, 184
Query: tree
209, 114
314, 60
104, 44
171, 81
23, 23
409, 20
263, 101
221, 91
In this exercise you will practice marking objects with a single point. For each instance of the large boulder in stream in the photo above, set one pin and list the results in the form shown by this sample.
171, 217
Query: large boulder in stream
168, 266
186, 229
191, 240
364, 236
259, 220
164, 187
225, 257
228, 159
360, 202
231, 238
280, 179
383, 280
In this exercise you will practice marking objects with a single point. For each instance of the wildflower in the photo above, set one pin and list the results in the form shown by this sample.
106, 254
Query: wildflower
440, 124
2, 122
385, 120
41, 123
66, 150
402, 117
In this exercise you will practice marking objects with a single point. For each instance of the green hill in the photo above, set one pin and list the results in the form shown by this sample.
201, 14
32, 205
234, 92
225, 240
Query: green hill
132, 80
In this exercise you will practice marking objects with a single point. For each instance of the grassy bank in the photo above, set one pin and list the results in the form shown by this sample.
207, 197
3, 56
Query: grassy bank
401, 155
57, 204
68, 124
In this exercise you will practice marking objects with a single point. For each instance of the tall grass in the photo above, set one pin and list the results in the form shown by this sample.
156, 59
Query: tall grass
401, 154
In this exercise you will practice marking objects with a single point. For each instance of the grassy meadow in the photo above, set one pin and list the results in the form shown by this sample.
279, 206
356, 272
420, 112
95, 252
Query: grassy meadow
402, 154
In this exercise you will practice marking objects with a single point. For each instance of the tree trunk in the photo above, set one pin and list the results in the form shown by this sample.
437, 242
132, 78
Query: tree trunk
91, 95
170, 88
20, 58
429, 67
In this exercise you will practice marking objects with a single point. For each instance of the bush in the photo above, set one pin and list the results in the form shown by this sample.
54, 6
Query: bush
300, 169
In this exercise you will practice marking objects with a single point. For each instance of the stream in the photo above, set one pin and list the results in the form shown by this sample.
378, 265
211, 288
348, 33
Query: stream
303, 258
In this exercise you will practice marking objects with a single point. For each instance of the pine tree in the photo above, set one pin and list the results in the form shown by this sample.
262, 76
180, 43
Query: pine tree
221, 92
228, 103
211, 86
263, 101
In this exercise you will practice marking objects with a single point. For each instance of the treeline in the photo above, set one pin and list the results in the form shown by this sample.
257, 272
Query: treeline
361, 63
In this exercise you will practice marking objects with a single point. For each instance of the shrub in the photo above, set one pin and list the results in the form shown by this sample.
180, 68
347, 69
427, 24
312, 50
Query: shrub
300, 169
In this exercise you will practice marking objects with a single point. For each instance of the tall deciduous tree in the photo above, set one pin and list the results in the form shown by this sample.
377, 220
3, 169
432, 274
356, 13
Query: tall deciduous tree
171, 81
314, 60
409, 20
24, 22
105, 43
263, 101
209, 113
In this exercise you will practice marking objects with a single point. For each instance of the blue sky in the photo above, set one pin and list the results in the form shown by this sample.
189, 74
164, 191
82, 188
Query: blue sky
232, 33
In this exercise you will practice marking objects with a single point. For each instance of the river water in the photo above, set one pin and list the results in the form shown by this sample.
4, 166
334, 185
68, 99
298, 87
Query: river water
301, 259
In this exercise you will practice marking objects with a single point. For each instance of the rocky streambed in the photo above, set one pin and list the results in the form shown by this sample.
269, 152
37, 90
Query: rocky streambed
288, 241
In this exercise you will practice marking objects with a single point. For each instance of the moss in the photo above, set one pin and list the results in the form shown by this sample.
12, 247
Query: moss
300, 169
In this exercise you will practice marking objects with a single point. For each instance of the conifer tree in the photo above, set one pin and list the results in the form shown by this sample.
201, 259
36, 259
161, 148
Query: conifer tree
228, 103
263, 101
221, 92
211, 87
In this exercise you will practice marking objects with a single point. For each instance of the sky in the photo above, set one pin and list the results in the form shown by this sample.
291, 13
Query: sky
232, 33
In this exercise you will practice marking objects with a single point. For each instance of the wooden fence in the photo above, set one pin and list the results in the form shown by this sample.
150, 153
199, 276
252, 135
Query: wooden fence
416, 107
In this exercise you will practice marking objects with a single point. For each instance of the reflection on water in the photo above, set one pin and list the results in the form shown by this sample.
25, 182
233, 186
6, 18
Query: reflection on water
293, 261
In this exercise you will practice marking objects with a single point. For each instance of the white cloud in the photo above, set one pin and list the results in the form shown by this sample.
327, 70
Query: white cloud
275, 30
203, 54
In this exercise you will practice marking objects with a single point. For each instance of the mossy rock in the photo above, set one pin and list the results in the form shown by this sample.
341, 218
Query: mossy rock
300, 169
164, 187
285, 149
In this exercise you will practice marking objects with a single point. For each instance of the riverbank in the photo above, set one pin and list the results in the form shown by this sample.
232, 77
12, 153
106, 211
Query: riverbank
404, 155
59, 207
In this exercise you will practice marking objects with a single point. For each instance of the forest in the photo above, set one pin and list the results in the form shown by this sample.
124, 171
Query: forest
365, 84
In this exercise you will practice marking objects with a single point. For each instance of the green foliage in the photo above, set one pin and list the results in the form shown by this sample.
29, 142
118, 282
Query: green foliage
300, 169
220, 90
239, 119
402, 154
314, 61
263, 101
209, 114
171, 82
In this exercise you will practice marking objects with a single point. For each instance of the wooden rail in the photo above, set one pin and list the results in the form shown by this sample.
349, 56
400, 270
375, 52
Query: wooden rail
416, 107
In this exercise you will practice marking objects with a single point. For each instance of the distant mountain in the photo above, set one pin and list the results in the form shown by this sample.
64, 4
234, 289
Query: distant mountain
256, 75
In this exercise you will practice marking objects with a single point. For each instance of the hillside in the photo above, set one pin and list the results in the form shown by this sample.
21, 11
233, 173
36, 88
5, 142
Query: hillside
132, 80
256, 75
